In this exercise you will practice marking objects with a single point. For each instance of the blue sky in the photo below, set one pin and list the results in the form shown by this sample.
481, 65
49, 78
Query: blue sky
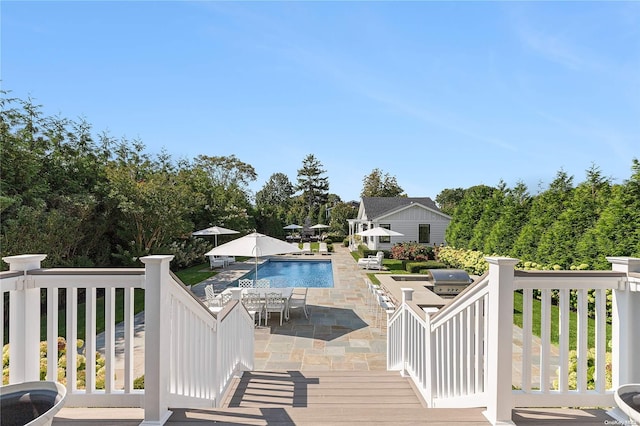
438, 94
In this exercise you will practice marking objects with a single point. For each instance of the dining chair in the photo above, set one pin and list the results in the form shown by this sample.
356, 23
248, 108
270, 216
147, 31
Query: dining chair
298, 300
274, 302
245, 283
254, 304
263, 283
210, 296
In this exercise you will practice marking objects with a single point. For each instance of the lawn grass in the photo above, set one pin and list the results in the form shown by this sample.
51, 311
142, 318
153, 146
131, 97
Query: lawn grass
195, 274
555, 314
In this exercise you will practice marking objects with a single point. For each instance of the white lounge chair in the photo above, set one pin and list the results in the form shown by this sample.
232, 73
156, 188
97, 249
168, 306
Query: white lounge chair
297, 248
306, 248
215, 262
372, 262
323, 249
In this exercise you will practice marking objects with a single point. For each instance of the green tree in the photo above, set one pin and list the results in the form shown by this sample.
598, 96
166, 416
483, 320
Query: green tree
558, 244
617, 231
467, 214
313, 185
379, 184
545, 209
506, 229
277, 191
448, 199
339, 215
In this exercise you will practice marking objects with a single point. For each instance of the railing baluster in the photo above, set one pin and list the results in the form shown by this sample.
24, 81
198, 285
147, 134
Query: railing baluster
582, 341
110, 338
563, 374
129, 336
72, 340
90, 340
527, 303
52, 333
601, 339
545, 338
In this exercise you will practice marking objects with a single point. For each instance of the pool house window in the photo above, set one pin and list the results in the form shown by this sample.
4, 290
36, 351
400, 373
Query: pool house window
424, 233
385, 239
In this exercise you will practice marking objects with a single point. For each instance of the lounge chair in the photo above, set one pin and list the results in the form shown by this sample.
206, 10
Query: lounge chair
215, 262
297, 246
372, 262
323, 249
306, 248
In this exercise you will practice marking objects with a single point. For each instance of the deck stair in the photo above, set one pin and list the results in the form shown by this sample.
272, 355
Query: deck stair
325, 397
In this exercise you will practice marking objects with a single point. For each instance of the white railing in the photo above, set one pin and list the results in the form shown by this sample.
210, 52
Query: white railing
190, 355
462, 356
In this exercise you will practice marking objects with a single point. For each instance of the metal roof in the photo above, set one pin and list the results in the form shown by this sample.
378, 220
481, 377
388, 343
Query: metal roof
377, 206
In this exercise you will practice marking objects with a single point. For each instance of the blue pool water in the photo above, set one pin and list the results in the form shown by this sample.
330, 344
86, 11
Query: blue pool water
295, 273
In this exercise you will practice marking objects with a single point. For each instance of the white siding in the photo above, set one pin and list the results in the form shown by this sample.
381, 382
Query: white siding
406, 222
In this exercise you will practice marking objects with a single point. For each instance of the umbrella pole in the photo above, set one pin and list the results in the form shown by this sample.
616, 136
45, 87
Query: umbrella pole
215, 244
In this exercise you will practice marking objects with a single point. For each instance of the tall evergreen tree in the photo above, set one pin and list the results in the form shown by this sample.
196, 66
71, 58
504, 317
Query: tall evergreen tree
313, 185
504, 232
545, 209
466, 215
379, 184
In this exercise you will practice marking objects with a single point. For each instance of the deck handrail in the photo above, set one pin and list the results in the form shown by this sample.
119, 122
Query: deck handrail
190, 354
466, 347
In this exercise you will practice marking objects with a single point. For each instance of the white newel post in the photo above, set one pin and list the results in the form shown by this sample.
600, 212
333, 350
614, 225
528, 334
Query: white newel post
500, 339
157, 328
24, 321
407, 296
625, 345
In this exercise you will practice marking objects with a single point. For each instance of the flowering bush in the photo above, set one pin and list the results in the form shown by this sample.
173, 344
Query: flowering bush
412, 251
470, 260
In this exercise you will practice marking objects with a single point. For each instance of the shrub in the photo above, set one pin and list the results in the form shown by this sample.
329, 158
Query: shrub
412, 251
418, 267
138, 383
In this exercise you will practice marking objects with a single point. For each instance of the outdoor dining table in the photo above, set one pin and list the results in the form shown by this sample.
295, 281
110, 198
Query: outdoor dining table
285, 291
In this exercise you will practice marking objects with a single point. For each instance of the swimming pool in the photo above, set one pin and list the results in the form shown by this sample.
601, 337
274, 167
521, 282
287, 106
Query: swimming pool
295, 273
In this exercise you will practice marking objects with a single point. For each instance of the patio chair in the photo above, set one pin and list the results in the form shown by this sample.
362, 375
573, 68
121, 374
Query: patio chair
210, 296
323, 249
297, 246
306, 248
274, 302
386, 305
298, 300
254, 304
215, 262
372, 262
245, 283
263, 283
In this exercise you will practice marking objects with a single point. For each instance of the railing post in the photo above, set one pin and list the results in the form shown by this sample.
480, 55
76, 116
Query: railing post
407, 296
625, 344
156, 323
500, 339
24, 321
430, 358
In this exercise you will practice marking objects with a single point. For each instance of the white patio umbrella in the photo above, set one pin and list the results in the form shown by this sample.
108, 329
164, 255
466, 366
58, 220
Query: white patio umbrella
293, 226
215, 231
319, 226
379, 232
253, 245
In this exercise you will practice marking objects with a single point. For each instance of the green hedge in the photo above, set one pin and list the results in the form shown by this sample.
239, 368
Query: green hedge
418, 267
